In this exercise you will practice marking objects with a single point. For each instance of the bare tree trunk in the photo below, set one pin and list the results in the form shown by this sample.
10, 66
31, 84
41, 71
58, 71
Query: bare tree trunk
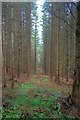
1, 55
57, 79
67, 54
51, 49
76, 84
28, 30
35, 62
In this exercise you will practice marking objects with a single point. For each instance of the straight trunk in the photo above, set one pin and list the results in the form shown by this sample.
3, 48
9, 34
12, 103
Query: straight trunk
76, 84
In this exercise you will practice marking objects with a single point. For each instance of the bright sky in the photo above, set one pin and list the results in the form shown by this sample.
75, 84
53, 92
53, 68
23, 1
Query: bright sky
39, 4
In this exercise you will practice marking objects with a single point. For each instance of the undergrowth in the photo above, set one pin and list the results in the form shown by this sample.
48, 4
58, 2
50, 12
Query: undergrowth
34, 101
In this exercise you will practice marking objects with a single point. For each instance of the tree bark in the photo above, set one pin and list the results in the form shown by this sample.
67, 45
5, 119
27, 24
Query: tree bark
1, 55
57, 79
76, 84
28, 32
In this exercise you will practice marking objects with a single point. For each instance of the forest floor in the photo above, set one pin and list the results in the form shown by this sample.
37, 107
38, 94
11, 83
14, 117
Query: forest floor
44, 80
38, 98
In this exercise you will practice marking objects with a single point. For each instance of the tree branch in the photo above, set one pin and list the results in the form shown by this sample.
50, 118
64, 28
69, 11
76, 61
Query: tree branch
65, 22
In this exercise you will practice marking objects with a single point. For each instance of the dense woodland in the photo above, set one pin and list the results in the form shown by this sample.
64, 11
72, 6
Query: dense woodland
41, 71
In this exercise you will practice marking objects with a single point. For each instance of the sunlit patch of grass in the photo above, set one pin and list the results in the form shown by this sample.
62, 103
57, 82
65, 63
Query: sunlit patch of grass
27, 86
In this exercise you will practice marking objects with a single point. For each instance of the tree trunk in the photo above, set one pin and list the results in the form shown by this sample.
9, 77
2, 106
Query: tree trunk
57, 79
76, 84
1, 55
52, 47
35, 54
28, 32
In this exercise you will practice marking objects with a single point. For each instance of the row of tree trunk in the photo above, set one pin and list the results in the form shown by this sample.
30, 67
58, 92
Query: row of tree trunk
16, 39
59, 40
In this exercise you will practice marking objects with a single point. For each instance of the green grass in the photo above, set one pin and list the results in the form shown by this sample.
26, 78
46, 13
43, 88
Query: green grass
34, 101
27, 86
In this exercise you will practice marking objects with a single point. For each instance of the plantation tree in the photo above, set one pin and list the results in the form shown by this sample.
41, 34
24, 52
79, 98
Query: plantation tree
3, 41
24, 36
6, 37
16, 38
52, 43
67, 42
28, 39
17, 44
47, 7
12, 46
72, 38
62, 41
58, 26
76, 84
1, 55
35, 60
34, 36
18, 34
44, 35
